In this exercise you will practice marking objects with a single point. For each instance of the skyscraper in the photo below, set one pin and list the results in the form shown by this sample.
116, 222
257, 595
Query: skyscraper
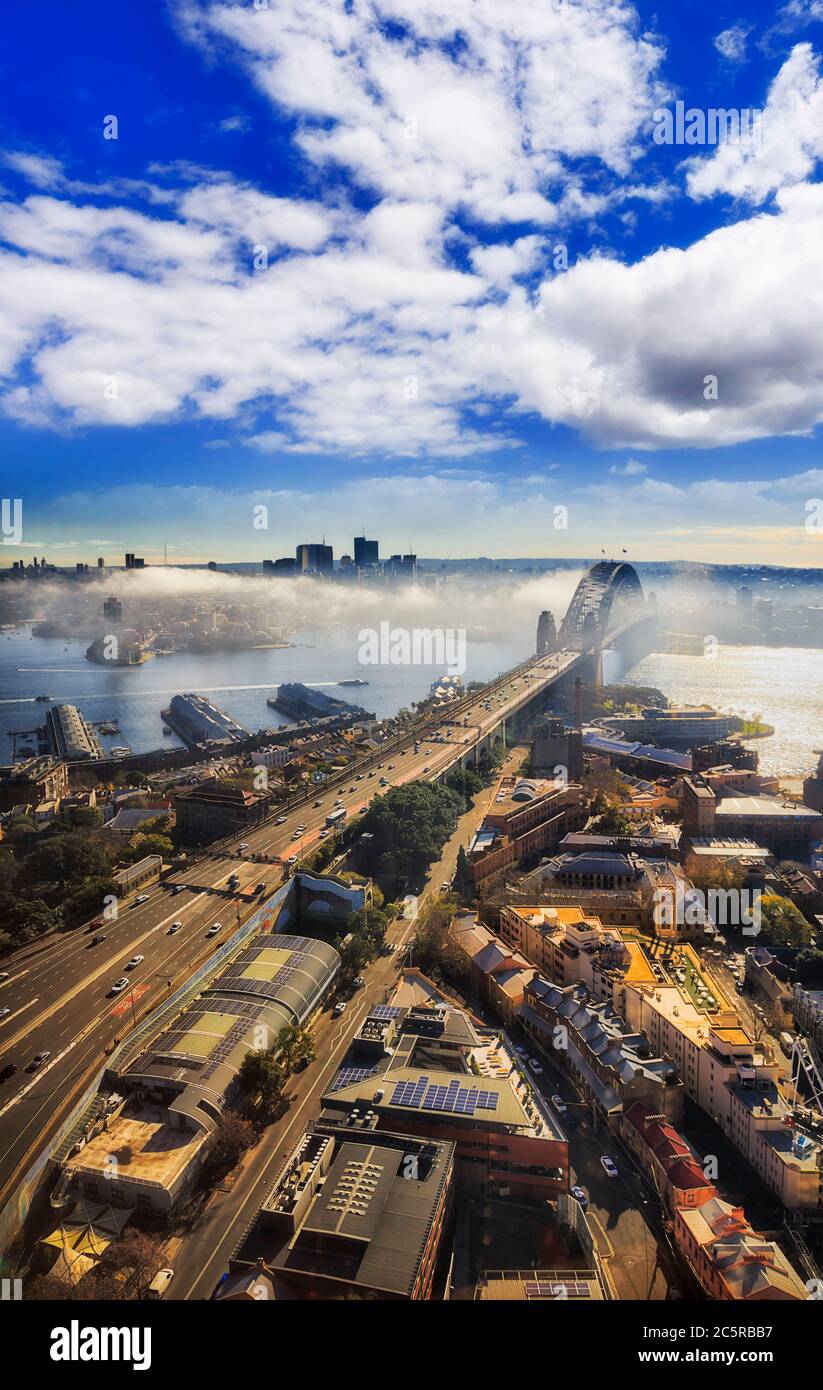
315, 559
366, 552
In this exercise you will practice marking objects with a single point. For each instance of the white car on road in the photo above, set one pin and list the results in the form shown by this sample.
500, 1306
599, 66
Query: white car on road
120, 984
134, 962
608, 1165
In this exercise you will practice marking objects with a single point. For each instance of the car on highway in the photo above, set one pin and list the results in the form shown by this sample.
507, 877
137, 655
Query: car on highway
318, 803
280, 820
371, 774
119, 985
243, 846
4, 975
323, 834
140, 899
579, 1196
134, 962
4, 1012
360, 776
8, 1070
292, 859
300, 828
175, 927
425, 769
98, 939
608, 1165
37, 1062
339, 1008
559, 1104
213, 930
178, 888
535, 1066
261, 886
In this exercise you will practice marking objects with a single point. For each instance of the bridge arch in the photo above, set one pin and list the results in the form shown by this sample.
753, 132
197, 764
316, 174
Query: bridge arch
606, 596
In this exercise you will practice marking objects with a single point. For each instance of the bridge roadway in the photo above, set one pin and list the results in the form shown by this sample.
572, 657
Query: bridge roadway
59, 989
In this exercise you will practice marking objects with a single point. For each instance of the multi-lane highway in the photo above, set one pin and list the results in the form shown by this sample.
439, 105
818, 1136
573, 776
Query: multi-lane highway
59, 991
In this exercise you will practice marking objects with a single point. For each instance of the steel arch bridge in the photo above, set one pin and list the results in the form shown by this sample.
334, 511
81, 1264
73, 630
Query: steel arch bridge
607, 598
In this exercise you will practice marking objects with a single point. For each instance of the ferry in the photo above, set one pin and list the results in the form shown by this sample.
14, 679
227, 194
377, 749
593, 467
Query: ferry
42, 698
354, 681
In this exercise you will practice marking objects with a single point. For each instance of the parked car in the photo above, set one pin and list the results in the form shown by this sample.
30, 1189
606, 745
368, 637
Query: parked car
160, 1283
175, 927
579, 1196
214, 929
134, 962
608, 1165
559, 1105
359, 982
119, 985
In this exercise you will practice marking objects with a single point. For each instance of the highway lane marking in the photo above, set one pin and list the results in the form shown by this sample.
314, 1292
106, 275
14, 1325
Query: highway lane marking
13, 979
22, 1008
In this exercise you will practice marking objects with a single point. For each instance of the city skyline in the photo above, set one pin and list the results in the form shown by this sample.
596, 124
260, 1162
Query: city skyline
224, 287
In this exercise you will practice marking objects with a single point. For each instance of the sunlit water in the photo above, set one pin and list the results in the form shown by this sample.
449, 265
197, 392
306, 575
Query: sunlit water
784, 685
238, 683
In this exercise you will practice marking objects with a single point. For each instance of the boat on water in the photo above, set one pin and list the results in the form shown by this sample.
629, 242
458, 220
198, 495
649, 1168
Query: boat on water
355, 680
41, 698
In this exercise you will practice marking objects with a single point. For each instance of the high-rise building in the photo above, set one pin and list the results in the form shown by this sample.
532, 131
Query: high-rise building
402, 567
366, 553
113, 608
315, 559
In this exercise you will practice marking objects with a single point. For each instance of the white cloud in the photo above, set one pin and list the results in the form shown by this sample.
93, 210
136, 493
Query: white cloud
731, 42
630, 469
480, 105
790, 144
230, 124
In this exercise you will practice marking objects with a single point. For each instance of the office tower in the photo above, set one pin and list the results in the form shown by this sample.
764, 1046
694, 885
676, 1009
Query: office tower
285, 566
315, 559
113, 608
366, 553
402, 567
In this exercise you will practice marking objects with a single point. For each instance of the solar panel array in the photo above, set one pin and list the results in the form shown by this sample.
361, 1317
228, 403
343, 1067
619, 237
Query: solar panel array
452, 1099
347, 1076
385, 1011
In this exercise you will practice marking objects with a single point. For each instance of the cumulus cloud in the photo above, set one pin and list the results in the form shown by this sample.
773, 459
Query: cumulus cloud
485, 106
784, 151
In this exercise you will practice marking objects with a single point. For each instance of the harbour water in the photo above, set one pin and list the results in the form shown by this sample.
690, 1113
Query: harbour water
238, 682
784, 685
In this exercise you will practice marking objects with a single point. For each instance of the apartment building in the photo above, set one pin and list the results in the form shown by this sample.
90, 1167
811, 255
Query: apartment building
732, 1078
730, 1259
527, 817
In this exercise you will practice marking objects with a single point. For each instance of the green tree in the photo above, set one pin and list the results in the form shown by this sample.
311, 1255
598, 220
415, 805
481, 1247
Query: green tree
294, 1047
408, 828
261, 1076
783, 924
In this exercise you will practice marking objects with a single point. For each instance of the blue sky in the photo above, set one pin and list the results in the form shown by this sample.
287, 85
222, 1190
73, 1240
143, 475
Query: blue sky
419, 269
